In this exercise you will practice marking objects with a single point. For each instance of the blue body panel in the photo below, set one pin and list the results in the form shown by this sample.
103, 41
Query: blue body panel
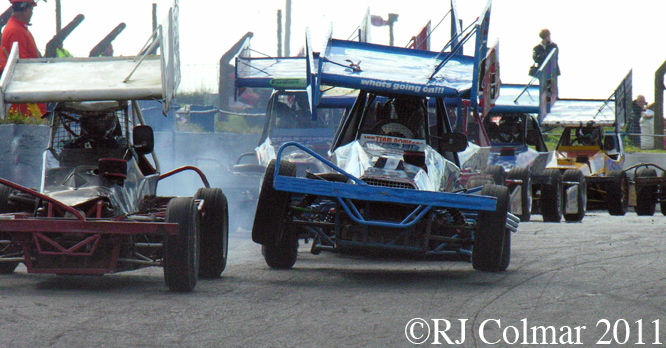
365, 192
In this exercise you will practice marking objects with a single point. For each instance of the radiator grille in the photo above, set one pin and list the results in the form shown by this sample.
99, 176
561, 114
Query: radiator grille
388, 183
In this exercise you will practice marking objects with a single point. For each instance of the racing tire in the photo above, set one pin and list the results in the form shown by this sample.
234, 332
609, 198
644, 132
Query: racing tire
646, 195
214, 233
617, 193
490, 243
498, 173
551, 197
272, 206
506, 252
523, 174
574, 175
181, 251
5, 207
5, 192
283, 254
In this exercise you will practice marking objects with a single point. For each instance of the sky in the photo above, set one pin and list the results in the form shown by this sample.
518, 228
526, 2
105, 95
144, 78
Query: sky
600, 41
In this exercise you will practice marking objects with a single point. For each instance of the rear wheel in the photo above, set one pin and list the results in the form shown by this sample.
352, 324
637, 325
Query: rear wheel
214, 232
181, 251
6, 267
646, 195
617, 193
576, 176
491, 244
523, 174
551, 197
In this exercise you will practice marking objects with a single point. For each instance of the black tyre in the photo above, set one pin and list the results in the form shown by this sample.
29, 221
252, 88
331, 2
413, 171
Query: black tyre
283, 254
617, 193
214, 232
181, 251
5, 192
574, 175
551, 197
523, 174
5, 207
646, 195
490, 232
271, 207
498, 173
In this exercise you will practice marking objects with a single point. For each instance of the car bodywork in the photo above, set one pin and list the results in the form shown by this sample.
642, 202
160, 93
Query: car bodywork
394, 184
97, 211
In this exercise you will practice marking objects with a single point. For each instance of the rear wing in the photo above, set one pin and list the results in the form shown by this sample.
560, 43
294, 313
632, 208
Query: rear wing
385, 69
531, 98
270, 72
613, 111
138, 77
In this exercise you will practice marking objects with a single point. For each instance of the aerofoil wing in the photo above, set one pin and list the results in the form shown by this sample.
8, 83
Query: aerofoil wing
379, 68
138, 77
613, 111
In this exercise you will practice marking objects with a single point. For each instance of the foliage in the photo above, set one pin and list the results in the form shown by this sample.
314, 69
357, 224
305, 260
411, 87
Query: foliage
236, 124
18, 118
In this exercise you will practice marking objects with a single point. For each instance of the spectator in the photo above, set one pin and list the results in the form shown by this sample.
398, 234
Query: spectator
16, 30
540, 53
634, 122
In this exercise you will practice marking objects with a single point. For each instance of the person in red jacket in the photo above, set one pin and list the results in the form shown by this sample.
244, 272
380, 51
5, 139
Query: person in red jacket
16, 30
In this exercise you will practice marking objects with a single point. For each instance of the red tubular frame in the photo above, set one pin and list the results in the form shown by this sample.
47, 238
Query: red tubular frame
184, 168
43, 197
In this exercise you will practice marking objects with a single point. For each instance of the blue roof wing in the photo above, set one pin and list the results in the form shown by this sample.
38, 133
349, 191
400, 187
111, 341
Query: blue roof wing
515, 98
480, 49
379, 68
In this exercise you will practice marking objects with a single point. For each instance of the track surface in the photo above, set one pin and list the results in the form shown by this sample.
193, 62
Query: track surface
561, 275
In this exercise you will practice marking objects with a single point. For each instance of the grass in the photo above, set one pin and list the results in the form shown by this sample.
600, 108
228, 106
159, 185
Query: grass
17, 118
236, 124
553, 136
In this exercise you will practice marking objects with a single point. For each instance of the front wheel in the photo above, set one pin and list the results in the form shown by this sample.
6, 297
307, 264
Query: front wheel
492, 248
574, 194
617, 193
283, 254
551, 197
272, 206
646, 195
181, 251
